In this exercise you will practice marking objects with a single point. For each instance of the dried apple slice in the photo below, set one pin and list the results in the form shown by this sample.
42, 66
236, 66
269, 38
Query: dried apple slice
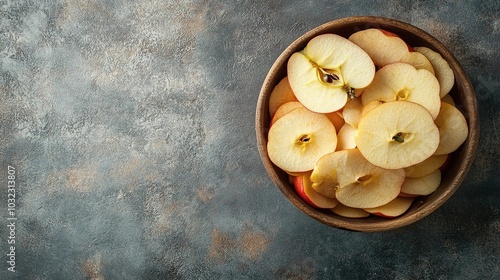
370, 105
394, 208
349, 212
336, 119
328, 71
385, 47
285, 109
403, 82
281, 94
426, 167
303, 187
442, 69
453, 129
356, 182
397, 134
298, 139
352, 112
346, 137
423, 185
448, 99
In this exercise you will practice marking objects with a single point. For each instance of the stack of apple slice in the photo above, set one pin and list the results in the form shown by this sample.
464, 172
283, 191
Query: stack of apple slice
363, 125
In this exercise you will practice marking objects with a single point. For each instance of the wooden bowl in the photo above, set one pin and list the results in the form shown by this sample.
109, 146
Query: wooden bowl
460, 160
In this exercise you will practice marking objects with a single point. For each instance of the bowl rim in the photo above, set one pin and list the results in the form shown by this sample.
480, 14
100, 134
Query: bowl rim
467, 99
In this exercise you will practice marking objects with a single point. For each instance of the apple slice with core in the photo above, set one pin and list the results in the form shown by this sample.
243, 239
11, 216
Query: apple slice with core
327, 72
423, 185
281, 94
403, 82
356, 182
394, 208
324, 177
442, 69
303, 187
426, 167
397, 134
325, 190
298, 139
386, 47
350, 212
453, 129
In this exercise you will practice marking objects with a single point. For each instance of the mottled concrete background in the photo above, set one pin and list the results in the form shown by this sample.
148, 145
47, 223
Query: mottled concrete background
130, 125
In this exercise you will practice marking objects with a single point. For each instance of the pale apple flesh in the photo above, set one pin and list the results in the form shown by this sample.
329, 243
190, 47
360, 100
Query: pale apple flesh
442, 69
386, 48
370, 105
315, 94
324, 176
352, 112
453, 129
336, 53
397, 134
337, 119
303, 187
426, 167
281, 94
346, 137
422, 185
349, 212
394, 208
356, 182
298, 139
403, 82
328, 71
285, 109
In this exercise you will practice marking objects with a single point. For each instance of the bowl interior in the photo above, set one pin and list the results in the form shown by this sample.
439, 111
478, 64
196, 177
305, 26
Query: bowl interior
459, 162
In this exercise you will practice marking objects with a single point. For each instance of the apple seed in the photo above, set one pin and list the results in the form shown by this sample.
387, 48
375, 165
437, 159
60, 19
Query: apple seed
329, 78
398, 137
304, 138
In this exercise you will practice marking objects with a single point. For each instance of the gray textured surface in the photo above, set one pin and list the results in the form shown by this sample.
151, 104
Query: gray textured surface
131, 128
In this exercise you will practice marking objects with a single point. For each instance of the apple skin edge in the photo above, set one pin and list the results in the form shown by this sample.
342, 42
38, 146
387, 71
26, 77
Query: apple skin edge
298, 183
382, 215
390, 34
307, 193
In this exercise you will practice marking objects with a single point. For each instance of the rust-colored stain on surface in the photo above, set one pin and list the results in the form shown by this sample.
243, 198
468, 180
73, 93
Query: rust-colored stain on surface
91, 268
251, 245
222, 245
204, 194
81, 179
162, 213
